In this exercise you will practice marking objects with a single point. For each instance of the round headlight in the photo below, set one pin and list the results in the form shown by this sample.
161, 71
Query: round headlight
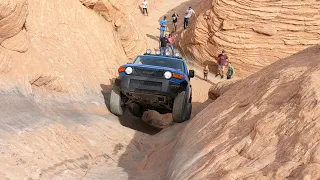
167, 75
157, 52
177, 54
128, 70
148, 51
167, 53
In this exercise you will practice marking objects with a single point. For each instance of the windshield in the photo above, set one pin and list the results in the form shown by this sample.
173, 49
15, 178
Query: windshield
159, 61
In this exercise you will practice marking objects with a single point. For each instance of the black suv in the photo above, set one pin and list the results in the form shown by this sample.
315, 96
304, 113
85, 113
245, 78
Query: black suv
155, 82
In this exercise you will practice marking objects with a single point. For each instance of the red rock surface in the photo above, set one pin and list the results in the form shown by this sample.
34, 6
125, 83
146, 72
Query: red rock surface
254, 33
264, 127
58, 59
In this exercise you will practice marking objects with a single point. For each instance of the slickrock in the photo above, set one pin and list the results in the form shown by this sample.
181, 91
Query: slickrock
264, 127
120, 13
156, 119
42, 40
254, 33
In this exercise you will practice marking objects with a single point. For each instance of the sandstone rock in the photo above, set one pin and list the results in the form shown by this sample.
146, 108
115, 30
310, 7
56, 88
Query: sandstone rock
55, 38
13, 15
119, 12
157, 120
264, 127
17, 43
219, 89
253, 33
265, 29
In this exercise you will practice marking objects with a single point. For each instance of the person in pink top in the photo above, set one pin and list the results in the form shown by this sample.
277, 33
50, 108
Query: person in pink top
171, 41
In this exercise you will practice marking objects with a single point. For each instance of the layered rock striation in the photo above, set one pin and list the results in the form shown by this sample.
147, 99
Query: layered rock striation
58, 49
120, 13
254, 33
264, 127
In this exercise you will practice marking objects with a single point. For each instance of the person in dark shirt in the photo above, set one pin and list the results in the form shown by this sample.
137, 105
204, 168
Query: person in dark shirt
164, 44
222, 62
175, 20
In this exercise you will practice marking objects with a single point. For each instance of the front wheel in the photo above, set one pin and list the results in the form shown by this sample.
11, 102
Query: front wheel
116, 105
179, 106
188, 111
135, 109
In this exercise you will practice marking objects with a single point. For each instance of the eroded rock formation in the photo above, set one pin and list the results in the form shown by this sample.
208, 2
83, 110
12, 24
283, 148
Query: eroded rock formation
254, 33
57, 59
120, 14
58, 47
264, 127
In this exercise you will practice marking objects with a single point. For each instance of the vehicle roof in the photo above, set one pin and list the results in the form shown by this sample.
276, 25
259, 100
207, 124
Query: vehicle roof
165, 57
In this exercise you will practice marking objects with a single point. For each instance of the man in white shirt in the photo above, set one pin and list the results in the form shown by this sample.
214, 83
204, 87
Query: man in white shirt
144, 7
189, 13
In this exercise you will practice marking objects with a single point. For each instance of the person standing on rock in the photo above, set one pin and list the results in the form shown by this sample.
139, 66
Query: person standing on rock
189, 13
175, 20
163, 26
145, 7
164, 45
205, 72
222, 62
171, 41
231, 71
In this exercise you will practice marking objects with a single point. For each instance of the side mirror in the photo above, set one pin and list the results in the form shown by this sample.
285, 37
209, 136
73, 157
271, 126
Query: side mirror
191, 74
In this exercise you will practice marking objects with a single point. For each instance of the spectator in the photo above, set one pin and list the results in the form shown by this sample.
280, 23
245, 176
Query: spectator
222, 61
163, 26
145, 7
175, 20
189, 13
205, 72
164, 44
171, 39
231, 71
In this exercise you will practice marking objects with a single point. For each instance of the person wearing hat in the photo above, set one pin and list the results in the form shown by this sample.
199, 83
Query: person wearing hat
189, 13
222, 62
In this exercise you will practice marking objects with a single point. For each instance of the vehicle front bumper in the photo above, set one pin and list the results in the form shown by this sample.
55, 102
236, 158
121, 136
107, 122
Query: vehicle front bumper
148, 91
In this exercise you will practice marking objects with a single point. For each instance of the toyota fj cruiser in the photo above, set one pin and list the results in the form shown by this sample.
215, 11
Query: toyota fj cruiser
154, 82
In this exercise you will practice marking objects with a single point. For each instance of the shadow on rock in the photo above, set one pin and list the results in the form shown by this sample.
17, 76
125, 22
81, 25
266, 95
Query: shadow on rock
127, 119
209, 81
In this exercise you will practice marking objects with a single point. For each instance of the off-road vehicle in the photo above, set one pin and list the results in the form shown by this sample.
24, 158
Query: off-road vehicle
154, 82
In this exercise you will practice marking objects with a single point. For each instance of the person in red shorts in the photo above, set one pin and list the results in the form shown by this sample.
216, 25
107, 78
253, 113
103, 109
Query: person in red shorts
222, 62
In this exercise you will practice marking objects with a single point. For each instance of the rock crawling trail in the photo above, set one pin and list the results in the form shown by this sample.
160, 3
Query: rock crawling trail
54, 120
133, 163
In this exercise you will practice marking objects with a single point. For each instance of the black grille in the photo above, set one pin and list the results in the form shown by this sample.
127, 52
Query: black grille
150, 85
147, 73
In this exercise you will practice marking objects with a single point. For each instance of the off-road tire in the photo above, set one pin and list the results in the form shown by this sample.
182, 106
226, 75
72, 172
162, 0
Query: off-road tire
135, 109
116, 106
188, 111
179, 106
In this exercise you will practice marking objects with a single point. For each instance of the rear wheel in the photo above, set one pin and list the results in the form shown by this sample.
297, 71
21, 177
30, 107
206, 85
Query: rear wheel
135, 109
116, 105
179, 106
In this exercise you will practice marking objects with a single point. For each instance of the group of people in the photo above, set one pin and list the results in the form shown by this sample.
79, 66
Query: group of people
166, 41
223, 61
175, 17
